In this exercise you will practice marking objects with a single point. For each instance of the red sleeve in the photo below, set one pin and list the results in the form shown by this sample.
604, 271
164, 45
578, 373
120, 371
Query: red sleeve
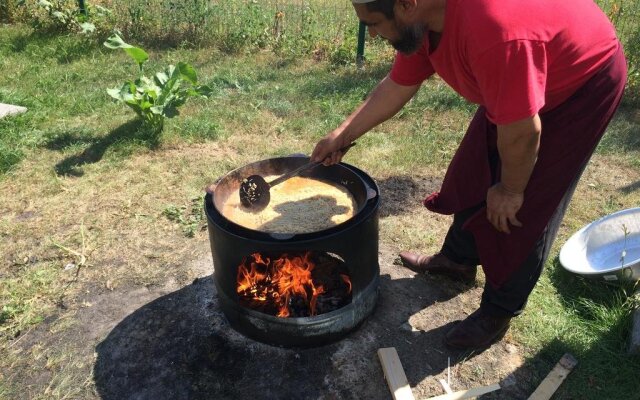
512, 77
409, 70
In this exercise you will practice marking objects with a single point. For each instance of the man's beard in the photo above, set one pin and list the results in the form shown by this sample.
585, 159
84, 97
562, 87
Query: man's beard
410, 38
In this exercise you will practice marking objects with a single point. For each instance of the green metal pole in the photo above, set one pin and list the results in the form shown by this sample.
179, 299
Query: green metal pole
81, 6
360, 52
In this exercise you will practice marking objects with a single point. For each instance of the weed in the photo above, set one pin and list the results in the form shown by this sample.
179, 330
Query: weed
155, 99
189, 217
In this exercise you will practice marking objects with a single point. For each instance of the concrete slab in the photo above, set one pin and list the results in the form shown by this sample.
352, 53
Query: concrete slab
8, 109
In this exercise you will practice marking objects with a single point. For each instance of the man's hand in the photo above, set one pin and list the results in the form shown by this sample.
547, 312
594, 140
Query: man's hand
502, 206
328, 148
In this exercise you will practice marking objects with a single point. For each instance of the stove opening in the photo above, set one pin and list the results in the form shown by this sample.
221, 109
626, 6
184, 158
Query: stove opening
293, 284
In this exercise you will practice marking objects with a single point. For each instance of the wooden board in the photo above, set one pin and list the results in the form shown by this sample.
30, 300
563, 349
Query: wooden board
553, 380
446, 386
467, 394
394, 374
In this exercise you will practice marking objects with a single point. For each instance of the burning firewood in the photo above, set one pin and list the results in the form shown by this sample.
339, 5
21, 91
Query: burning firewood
293, 285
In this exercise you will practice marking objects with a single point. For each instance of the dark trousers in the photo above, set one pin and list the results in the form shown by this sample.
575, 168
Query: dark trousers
577, 124
510, 298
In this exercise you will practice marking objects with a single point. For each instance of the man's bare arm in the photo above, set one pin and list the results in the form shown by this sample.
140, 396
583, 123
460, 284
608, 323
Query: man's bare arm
383, 103
518, 145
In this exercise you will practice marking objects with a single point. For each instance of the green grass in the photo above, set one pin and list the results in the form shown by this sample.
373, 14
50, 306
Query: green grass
22, 295
589, 319
76, 140
622, 139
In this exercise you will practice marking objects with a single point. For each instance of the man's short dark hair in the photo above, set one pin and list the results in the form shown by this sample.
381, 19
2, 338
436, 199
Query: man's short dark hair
382, 6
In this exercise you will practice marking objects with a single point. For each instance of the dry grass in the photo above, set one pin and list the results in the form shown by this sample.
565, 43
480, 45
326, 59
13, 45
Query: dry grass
114, 212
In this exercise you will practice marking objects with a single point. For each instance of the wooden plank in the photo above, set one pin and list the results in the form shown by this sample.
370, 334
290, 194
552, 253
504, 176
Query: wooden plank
553, 380
446, 386
394, 374
467, 394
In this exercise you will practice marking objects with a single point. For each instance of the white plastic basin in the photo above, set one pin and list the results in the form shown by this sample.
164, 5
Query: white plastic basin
602, 250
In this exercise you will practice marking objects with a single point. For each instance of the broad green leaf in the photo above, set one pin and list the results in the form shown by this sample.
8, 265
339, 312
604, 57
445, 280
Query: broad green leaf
159, 110
139, 55
115, 93
152, 93
190, 92
146, 83
146, 105
149, 88
131, 86
171, 85
171, 70
161, 78
116, 42
188, 72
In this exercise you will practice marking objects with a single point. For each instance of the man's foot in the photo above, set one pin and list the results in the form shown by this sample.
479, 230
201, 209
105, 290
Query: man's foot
438, 264
477, 331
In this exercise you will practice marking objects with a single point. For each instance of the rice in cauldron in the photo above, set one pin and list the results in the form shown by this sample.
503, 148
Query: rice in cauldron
298, 205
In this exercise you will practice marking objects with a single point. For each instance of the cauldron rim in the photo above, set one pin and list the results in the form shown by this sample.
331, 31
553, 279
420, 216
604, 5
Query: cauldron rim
262, 237
370, 188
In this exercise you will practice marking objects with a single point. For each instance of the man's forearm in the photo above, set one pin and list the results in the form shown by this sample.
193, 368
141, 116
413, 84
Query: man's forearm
518, 145
383, 103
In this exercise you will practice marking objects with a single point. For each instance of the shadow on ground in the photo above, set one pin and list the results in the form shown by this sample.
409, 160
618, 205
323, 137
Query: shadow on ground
630, 188
128, 133
180, 346
604, 369
401, 194
602, 372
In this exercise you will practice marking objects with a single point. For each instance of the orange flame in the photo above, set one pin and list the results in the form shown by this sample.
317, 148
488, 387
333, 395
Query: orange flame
261, 279
345, 279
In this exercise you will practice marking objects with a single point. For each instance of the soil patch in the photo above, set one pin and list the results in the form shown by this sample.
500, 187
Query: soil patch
174, 342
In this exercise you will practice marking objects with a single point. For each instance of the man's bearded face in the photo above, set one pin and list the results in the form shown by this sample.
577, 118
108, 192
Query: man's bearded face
411, 37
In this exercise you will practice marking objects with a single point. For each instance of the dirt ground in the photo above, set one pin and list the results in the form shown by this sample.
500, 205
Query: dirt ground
172, 341
141, 319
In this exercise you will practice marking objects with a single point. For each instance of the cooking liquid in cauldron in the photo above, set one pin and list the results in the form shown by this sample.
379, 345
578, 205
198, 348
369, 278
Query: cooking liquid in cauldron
293, 285
298, 205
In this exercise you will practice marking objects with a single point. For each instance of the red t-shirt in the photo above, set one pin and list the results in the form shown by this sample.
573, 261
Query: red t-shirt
515, 57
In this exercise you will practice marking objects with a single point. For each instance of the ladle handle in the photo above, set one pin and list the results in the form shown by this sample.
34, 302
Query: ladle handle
304, 167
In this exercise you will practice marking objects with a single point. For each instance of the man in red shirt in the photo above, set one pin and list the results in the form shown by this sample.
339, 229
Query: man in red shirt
548, 77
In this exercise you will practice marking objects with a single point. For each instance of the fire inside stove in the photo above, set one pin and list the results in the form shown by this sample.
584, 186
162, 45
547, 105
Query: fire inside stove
293, 284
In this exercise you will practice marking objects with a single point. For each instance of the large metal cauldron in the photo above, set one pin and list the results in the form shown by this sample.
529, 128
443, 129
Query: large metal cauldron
354, 241
339, 174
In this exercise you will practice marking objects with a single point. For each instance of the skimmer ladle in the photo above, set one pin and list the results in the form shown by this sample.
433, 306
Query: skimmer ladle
254, 190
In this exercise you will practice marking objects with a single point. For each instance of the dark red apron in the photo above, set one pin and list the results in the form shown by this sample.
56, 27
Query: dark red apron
570, 134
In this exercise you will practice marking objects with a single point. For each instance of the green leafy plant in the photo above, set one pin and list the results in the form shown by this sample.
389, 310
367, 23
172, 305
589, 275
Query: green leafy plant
64, 16
157, 98
190, 218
